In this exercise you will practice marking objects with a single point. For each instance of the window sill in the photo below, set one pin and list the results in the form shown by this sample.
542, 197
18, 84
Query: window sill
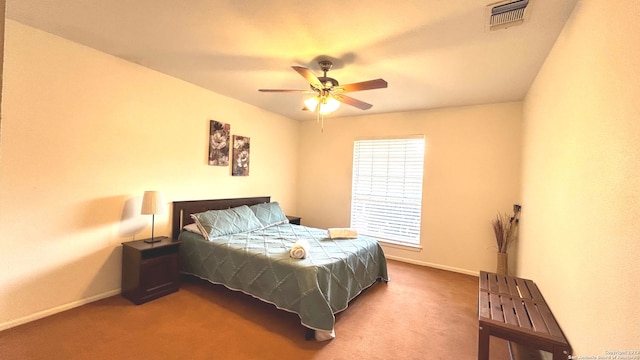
397, 245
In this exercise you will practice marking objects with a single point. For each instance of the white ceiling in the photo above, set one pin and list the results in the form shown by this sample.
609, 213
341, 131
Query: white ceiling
433, 53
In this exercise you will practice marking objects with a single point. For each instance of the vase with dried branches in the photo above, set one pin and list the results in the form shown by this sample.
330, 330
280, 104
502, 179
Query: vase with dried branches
505, 228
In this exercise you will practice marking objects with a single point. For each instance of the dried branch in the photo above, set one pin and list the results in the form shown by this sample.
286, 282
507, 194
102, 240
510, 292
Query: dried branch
505, 228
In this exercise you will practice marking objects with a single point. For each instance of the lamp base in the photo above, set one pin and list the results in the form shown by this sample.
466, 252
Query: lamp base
152, 240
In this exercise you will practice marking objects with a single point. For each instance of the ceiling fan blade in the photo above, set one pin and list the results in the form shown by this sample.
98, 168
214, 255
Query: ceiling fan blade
353, 102
310, 76
286, 90
364, 85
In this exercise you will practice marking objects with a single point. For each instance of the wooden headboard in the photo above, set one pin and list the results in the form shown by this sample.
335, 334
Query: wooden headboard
182, 210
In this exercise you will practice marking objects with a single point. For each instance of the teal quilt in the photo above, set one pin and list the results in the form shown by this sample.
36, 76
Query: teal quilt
258, 263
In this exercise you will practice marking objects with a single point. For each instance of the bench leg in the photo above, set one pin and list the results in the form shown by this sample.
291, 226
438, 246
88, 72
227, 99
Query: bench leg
483, 344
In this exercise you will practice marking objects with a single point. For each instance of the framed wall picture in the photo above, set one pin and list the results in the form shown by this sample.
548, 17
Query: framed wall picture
219, 143
241, 155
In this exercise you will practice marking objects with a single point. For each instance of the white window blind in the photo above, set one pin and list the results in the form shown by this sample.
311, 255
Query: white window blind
386, 190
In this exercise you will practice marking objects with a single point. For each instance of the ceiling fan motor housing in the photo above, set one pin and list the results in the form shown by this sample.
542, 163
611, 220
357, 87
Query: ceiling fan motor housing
328, 82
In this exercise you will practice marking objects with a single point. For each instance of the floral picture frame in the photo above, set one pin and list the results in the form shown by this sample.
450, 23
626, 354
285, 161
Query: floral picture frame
219, 143
241, 155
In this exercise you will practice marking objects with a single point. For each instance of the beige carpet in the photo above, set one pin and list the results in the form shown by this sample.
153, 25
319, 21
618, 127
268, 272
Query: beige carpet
422, 313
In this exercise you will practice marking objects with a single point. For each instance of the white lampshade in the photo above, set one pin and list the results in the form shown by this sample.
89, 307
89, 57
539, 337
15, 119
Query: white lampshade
152, 203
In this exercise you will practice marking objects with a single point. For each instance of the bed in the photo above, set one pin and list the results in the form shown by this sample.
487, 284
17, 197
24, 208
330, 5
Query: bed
258, 262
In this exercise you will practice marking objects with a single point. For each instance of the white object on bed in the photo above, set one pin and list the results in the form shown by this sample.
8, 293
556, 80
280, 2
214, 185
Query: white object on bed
300, 249
342, 233
193, 227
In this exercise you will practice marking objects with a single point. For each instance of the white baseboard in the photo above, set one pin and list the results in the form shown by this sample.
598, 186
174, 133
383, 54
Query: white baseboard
57, 309
437, 266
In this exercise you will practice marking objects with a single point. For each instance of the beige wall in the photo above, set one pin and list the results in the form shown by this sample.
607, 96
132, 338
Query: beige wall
472, 171
580, 239
3, 6
83, 135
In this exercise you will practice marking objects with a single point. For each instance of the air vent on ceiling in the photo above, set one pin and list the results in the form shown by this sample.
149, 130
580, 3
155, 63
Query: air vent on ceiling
506, 14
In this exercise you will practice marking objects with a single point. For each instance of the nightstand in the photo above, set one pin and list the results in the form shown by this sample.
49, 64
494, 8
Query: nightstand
294, 220
150, 271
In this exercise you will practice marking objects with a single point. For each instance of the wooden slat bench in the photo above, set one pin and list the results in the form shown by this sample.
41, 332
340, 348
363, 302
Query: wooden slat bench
513, 309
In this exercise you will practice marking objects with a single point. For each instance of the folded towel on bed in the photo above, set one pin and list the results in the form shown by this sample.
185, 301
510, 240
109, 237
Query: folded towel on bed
300, 249
342, 233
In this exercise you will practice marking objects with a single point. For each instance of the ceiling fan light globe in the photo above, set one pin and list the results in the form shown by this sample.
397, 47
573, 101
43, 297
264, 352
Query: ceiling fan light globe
311, 103
328, 106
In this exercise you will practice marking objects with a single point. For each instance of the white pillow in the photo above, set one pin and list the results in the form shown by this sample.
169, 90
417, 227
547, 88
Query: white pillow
192, 228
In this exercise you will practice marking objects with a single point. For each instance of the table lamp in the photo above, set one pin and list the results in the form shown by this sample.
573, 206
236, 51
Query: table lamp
152, 204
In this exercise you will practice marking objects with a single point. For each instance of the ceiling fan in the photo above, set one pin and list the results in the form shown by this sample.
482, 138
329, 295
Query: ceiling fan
328, 92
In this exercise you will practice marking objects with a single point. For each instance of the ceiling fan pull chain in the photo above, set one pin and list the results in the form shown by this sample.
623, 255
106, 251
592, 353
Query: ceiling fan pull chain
320, 119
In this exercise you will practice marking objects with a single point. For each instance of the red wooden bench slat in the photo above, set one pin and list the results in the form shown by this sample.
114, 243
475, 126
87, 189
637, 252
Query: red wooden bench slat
496, 307
535, 292
484, 281
493, 283
523, 317
503, 285
509, 311
534, 314
524, 290
483, 304
513, 287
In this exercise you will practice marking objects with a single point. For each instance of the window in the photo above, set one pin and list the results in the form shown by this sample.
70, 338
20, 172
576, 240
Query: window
386, 189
